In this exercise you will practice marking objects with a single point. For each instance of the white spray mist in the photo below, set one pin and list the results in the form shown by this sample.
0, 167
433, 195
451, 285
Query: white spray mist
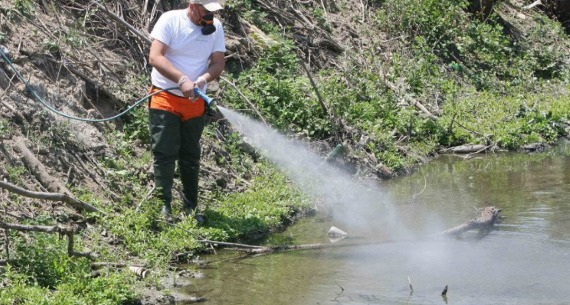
360, 208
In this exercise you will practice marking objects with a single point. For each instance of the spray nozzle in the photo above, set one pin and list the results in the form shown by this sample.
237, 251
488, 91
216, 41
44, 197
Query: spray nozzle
210, 102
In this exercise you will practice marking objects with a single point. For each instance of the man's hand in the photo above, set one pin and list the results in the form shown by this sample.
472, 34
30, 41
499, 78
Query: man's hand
201, 82
186, 86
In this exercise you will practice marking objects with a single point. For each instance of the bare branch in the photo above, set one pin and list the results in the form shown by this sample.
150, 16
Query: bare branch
78, 204
245, 98
534, 4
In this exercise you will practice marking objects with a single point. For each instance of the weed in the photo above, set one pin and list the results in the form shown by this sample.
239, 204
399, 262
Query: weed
25, 7
15, 173
136, 125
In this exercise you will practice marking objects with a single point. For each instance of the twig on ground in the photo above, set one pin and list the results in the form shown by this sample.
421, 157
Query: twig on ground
145, 198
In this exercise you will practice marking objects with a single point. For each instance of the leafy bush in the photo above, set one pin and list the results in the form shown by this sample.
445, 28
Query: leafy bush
284, 97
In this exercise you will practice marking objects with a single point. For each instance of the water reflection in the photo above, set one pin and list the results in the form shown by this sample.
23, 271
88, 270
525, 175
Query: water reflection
524, 260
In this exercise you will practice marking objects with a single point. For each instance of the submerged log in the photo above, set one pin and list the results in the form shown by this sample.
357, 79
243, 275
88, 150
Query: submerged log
485, 220
287, 248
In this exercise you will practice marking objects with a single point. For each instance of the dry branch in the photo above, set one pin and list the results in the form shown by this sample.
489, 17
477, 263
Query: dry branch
38, 169
321, 101
220, 243
62, 193
78, 204
123, 22
246, 99
61, 230
415, 102
532, 5
282, 248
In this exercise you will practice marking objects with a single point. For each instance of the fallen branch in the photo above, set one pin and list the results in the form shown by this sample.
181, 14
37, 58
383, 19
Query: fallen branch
61, 230
107, 264
282, 248
477, 152
321, 101
221, 243
78, 204
534, 4
288, 248
487, 218
60, 192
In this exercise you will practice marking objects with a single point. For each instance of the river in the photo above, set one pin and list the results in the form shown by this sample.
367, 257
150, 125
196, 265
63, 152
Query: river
524, 259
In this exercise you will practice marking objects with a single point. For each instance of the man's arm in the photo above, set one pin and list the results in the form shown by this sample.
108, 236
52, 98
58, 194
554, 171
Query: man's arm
217, 64
161, 64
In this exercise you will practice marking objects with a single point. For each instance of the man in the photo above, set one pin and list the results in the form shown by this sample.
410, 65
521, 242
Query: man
187, 51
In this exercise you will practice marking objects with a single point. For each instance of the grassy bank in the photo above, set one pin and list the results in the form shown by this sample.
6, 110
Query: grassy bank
41, 272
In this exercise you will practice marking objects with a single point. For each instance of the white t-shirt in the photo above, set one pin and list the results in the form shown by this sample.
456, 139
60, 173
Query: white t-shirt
188, 49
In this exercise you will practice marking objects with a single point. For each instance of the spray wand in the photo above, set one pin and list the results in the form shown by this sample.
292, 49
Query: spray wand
211, 103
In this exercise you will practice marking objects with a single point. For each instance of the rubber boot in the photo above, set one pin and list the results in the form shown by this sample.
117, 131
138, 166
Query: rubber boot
189, 161
165, 137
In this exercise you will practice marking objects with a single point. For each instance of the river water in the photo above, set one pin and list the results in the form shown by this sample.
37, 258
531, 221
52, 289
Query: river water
524, 259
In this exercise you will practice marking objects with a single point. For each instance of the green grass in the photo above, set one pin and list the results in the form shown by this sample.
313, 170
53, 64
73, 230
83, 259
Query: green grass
43, 273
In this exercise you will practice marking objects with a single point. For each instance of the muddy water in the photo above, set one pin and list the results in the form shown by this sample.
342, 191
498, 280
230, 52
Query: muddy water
525, 259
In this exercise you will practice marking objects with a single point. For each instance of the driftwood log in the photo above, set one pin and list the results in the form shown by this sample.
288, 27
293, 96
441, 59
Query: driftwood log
486, 219
468, 149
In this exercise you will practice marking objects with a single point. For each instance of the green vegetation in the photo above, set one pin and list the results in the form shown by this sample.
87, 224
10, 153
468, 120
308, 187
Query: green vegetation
47, 275
487, 83
484, 80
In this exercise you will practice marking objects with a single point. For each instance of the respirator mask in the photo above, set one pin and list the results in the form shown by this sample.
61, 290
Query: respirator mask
207, 23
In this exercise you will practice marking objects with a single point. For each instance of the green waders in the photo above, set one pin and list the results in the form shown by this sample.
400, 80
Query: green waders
175, 140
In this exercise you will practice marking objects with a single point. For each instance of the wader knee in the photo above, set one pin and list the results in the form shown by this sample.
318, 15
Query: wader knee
189, 164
